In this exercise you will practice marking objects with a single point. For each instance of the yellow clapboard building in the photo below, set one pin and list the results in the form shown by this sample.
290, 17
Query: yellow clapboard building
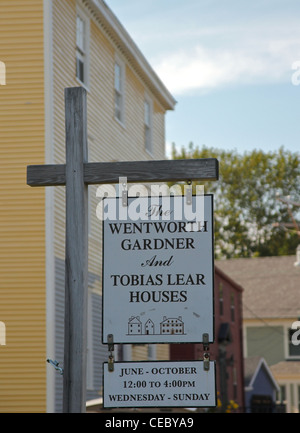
46, 46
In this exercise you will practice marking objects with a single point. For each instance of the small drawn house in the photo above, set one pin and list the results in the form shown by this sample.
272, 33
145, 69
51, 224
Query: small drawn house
172, 325
134, 325
149, 327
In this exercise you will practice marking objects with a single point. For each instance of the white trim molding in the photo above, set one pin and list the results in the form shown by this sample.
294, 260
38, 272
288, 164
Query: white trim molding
131, 52
49, 206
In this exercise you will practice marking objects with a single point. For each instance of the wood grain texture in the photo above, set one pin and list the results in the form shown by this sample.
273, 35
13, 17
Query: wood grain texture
152, 171
76, 262
46, 175
135, 171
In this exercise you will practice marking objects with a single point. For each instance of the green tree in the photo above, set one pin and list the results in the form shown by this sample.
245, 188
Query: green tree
246, 200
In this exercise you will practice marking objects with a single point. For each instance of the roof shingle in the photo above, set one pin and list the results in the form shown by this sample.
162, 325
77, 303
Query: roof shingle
271, 285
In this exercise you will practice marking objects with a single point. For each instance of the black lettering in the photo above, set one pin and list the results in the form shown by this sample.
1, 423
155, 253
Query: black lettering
183, 295
158, 244
165, 296
115, 228
158, 296
154, 262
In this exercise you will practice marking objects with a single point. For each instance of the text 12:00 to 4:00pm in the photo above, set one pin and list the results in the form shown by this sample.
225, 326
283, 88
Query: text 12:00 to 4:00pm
157, 384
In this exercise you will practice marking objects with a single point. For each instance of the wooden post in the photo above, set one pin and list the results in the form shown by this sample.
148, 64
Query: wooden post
76, 262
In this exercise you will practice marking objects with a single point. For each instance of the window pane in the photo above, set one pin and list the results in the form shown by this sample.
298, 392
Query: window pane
118, 106
80, 30
118, 77
282, 396
80, 69
147, 121
118, 92
232, 307
82, 27
147, 113
221, 298
148, 139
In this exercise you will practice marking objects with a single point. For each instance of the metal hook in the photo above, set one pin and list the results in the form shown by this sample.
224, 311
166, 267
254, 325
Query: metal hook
110, 340
188, 190
55, 364
124, 192
206, 358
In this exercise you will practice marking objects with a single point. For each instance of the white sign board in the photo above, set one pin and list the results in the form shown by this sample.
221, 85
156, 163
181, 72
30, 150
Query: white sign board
158, 270
159, 384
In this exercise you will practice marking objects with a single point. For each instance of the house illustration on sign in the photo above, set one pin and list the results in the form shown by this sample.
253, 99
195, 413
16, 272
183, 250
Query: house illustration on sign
172, 326
134, 325
149, 327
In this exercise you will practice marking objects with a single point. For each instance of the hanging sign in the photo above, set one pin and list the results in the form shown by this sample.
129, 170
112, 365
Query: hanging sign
158, 270
159, 384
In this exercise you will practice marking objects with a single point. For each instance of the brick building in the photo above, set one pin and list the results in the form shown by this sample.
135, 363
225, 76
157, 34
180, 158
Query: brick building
227, 349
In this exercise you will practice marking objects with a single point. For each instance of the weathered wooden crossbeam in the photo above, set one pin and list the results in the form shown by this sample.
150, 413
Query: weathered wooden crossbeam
134, 171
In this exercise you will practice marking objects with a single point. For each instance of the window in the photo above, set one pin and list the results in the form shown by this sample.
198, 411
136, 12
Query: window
119, 91
148, 125
221, 300
232, 308
281, 399
82, 29
282, 394
235, 387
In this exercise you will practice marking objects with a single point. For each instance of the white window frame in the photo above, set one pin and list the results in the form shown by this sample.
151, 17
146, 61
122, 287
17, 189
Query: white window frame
148, 124
119, 91
82, 46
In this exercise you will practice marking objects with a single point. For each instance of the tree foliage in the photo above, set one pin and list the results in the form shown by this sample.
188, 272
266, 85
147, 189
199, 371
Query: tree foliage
246, 200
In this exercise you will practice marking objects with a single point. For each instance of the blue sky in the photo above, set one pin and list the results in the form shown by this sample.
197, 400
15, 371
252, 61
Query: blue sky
233, 67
